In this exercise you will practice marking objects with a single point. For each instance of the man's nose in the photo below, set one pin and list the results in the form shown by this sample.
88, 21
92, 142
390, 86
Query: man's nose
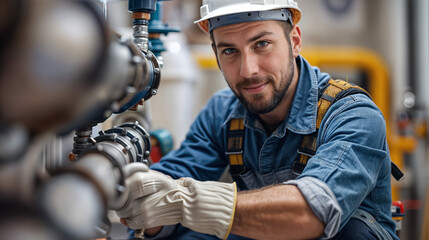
249, 65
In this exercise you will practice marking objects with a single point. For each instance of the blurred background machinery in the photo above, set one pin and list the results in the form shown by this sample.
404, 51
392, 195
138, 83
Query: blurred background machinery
71, 71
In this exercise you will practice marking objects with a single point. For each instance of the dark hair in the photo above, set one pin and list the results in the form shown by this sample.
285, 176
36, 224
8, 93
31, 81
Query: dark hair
287, 28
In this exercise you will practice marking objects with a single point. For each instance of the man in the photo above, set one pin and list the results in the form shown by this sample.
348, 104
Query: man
343, 192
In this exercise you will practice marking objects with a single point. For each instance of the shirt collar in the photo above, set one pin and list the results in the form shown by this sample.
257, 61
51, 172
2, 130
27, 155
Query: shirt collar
303, 112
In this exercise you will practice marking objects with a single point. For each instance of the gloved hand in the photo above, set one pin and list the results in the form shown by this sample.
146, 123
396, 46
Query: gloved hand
128, 170
156, 199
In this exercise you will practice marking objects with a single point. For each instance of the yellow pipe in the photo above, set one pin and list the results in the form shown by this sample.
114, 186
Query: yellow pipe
359, 58
206, 61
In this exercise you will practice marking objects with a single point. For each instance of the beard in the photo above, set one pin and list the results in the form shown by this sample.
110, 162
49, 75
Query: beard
257, 104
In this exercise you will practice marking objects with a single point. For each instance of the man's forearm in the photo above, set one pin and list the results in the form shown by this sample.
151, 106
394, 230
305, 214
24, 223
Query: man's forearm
278, 212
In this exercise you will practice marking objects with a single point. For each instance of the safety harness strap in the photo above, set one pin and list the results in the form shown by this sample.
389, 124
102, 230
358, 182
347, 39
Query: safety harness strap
234, 150
336, 89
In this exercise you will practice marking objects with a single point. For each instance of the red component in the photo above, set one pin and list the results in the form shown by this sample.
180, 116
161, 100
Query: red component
403, 120
156, 153
399, 204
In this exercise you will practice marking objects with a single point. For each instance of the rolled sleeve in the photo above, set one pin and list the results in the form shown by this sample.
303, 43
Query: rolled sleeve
322, 202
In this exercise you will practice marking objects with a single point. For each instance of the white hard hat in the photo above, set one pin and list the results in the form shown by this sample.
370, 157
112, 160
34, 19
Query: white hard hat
218, 8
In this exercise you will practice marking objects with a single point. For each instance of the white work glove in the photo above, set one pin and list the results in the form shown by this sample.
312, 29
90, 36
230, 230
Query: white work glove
156, 200
127, 171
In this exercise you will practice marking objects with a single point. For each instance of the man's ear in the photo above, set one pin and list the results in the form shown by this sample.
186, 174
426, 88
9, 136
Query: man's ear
296, 40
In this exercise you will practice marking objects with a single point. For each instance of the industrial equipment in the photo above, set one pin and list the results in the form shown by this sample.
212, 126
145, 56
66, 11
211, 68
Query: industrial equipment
64, 68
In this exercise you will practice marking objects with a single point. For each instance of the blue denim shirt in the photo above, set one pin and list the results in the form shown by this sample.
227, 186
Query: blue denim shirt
351, 166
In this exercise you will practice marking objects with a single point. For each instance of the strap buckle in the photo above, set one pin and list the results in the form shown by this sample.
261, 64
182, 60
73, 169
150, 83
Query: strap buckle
234, 152
306, 152
297, 167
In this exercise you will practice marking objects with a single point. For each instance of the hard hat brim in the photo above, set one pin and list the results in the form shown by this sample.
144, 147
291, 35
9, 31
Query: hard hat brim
238, 8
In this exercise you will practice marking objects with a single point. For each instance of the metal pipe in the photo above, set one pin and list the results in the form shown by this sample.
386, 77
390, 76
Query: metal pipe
76, 197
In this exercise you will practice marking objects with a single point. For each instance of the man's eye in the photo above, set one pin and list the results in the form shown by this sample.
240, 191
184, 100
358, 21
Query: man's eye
229, 51
261, 44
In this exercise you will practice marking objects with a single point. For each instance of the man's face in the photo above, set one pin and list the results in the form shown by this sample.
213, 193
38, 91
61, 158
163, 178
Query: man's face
257, 62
